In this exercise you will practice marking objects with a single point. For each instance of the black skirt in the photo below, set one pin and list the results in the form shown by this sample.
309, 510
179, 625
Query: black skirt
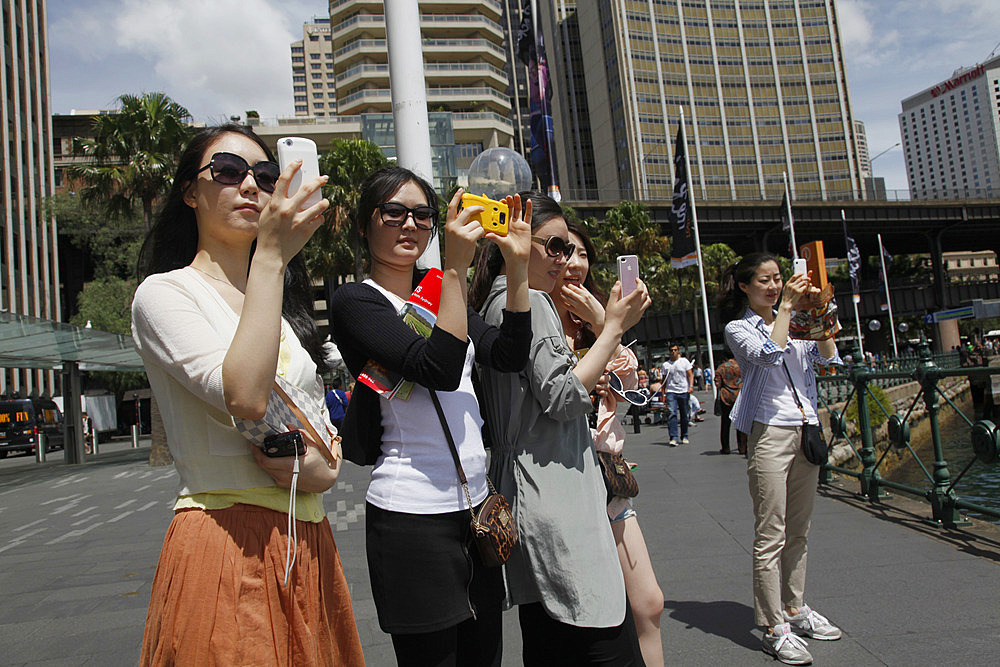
426, 573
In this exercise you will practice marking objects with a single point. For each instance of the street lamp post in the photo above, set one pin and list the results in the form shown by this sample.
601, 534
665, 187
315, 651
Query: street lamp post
871, 185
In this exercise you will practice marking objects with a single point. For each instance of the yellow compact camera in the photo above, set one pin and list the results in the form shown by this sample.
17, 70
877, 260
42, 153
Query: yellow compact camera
494, 218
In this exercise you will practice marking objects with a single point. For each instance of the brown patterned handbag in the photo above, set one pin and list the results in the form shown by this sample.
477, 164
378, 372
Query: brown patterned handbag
493, 527
618, 477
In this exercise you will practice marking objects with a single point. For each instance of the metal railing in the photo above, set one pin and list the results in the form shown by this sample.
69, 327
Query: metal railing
836, 388
984, 433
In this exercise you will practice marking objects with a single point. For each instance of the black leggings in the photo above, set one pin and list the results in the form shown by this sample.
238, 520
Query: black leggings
549, 643
475, 642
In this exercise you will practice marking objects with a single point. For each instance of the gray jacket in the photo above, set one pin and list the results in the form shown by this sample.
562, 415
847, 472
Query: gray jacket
544, 462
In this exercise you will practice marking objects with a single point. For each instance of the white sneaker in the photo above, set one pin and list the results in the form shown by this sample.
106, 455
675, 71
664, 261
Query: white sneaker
810, 624
784, 645
672, 443
685, 441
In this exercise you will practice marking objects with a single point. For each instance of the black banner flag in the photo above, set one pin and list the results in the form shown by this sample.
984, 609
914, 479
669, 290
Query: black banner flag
684, 253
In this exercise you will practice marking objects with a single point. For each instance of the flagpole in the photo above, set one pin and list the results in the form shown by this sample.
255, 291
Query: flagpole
855, 298
788, 212
888, 298
701, 263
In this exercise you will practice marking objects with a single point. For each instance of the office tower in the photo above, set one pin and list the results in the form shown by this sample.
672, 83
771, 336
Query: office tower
864, 158
762, 84
951, 135
29, 274
464, 56
313, 83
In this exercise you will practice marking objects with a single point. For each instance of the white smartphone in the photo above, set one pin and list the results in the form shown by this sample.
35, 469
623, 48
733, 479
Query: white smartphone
799, 266
628, 273
297, 148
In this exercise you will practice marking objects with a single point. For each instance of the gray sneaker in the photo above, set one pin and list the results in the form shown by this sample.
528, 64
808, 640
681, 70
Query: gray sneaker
784, 645
810, 624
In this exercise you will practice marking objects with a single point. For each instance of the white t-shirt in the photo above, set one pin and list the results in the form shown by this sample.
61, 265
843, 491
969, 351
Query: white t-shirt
777, 404
675, 375
415, 472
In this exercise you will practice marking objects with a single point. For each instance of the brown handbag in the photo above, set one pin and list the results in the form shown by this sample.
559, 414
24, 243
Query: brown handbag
618, 477
493, 526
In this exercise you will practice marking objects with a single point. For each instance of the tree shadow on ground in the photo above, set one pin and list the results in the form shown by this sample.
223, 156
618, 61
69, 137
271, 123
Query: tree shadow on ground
723, 618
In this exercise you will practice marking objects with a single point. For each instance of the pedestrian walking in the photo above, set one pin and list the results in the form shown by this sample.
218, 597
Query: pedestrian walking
246, 575
564, 574
433, 593
777, 397
336, 403
580, 305
678, 383
728, 382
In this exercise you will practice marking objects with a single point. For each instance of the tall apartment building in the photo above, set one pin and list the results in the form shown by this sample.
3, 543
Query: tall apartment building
29, 273
864, 157
467, 88
951, 135
762, 84
313, 81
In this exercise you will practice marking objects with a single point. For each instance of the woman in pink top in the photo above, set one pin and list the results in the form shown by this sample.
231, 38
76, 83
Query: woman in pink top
581, 309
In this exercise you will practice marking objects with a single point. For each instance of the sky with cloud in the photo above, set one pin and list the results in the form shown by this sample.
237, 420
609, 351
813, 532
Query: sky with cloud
222, 57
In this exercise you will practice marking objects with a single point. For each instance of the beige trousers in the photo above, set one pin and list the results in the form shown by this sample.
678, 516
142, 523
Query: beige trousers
783, 488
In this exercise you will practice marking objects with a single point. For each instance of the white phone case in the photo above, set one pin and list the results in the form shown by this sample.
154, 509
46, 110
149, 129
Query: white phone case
628, 273
799, 266
297, 148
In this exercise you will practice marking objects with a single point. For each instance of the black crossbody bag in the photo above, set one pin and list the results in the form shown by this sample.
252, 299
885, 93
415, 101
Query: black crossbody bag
813, 444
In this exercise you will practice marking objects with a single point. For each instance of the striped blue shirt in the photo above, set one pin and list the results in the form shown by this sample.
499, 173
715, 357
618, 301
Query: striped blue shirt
758, 356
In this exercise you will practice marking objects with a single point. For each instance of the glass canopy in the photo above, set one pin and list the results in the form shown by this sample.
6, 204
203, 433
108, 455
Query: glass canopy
30, 342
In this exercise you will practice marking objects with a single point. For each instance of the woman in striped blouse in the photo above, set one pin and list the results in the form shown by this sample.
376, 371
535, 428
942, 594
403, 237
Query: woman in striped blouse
777, 397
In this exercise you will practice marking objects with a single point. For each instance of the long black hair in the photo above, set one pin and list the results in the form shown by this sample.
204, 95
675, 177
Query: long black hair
585, 335
172, 242
733, 302
377, 188
489, 263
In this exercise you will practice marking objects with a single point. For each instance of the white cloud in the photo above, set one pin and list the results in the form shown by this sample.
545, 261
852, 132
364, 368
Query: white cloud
216, 57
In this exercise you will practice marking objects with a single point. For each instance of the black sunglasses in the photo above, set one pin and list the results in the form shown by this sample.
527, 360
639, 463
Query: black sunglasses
231, 169
394, 215
633, 396
555, 246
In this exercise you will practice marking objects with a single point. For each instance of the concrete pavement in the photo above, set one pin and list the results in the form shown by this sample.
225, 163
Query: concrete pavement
78, 548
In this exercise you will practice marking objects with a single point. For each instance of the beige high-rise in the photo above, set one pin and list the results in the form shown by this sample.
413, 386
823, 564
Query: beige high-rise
29, 271
762, 84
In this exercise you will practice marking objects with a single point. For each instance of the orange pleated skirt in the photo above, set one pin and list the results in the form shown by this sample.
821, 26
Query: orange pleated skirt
219, 598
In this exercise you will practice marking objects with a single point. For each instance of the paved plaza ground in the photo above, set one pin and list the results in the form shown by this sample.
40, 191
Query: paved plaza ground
79, 544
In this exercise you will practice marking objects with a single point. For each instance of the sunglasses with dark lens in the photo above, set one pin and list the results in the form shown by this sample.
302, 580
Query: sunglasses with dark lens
394, 215
231, 169
555, 246
633, 396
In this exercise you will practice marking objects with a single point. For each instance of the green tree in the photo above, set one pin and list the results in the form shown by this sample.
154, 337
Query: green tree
133, 154
105, 304
333, 250
110, 244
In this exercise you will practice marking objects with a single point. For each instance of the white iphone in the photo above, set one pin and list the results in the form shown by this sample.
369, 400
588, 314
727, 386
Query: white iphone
799, 266
628, 273
297, 148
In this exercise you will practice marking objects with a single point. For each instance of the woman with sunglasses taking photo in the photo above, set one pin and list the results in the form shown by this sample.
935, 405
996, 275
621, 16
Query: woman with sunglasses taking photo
564, 574
580, 305
432, 592
223, 308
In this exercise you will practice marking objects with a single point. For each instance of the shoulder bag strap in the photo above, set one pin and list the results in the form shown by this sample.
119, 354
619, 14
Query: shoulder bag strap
795, 394
330, 457
454, 455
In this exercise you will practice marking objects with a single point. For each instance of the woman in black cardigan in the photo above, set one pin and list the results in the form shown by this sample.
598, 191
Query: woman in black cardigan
432, 592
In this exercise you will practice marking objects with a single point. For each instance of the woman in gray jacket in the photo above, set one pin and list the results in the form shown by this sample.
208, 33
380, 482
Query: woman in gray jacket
565, 574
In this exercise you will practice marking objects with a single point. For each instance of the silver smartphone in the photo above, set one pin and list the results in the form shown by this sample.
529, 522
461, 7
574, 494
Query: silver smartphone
297, 148
628, 273
799, 266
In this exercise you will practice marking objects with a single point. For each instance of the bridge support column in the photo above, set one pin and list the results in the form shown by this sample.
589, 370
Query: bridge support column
937, 267
947, 336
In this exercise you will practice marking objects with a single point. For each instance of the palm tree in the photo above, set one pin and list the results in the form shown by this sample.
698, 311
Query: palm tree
132, 158
132, 155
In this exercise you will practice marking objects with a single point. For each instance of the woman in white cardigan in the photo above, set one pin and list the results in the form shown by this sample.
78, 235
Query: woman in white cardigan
222, 310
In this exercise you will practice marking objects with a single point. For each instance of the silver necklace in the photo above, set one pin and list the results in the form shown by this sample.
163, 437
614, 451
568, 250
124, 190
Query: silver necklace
224, 282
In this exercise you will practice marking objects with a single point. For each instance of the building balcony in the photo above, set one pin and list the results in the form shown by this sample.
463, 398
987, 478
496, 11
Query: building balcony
344, 8
431, 25
439, 49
